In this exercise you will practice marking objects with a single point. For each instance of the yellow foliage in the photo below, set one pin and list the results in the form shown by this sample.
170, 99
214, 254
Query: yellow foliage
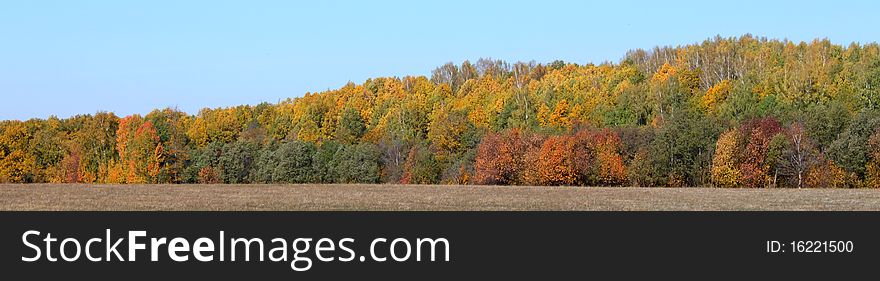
725, 172
479, 118
116, 173
309, 131
872, 168
576, 114
872, 175
560, 117
663, 73
544, 115
443, 132
86, 176
715, 95
825, 174
15, 167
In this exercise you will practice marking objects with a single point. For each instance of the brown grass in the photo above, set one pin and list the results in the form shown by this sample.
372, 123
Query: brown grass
399, 197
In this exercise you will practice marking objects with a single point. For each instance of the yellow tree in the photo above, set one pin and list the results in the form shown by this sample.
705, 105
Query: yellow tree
559, 117
872, 169
715, 95
15, 165
725, 170
446, 130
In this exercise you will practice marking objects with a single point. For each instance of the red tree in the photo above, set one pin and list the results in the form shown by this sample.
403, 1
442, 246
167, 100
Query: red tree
507, 158
756, 135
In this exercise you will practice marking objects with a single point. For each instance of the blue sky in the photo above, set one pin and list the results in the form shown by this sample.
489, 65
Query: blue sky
73, 57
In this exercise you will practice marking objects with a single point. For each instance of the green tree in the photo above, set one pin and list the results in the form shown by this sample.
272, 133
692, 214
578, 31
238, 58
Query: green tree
351, 126
420, 166
357, 163
205, 158
324, 161
236, 162
850, 150
292, 163
680, 153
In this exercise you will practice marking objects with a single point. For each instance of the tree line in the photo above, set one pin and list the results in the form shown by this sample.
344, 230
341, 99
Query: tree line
727, 112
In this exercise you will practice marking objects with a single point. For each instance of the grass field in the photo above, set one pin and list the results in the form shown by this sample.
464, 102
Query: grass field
399, 197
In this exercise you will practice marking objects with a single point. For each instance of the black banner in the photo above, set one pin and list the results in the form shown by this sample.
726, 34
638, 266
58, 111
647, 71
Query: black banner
464, 245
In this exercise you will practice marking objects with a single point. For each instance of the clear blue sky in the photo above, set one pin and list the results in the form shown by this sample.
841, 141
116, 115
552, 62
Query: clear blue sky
70, 57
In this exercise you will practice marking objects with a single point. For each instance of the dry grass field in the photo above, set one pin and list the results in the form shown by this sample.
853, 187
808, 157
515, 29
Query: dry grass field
417, 198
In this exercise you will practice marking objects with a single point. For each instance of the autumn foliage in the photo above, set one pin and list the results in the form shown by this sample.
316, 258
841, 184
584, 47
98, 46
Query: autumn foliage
872, 177
725, 168
506, 158
587, 157
756, 136
557, 162
728, 112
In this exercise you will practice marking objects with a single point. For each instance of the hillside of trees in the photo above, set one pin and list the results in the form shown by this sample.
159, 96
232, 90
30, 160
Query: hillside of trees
727, 112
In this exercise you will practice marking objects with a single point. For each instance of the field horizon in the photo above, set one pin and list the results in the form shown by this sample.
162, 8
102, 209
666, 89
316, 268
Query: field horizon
386, 197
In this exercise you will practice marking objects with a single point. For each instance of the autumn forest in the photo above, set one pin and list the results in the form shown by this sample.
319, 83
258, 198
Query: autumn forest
727, 112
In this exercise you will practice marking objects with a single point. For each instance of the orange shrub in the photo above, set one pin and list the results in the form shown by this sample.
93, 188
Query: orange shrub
556, 161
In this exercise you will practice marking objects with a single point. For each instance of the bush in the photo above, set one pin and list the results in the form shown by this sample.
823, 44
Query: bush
502, 158
207, 156
850, 150
208, 175
236, 162
680, 153
420, 167
292, 163
265, 164
357, 164
324, 163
